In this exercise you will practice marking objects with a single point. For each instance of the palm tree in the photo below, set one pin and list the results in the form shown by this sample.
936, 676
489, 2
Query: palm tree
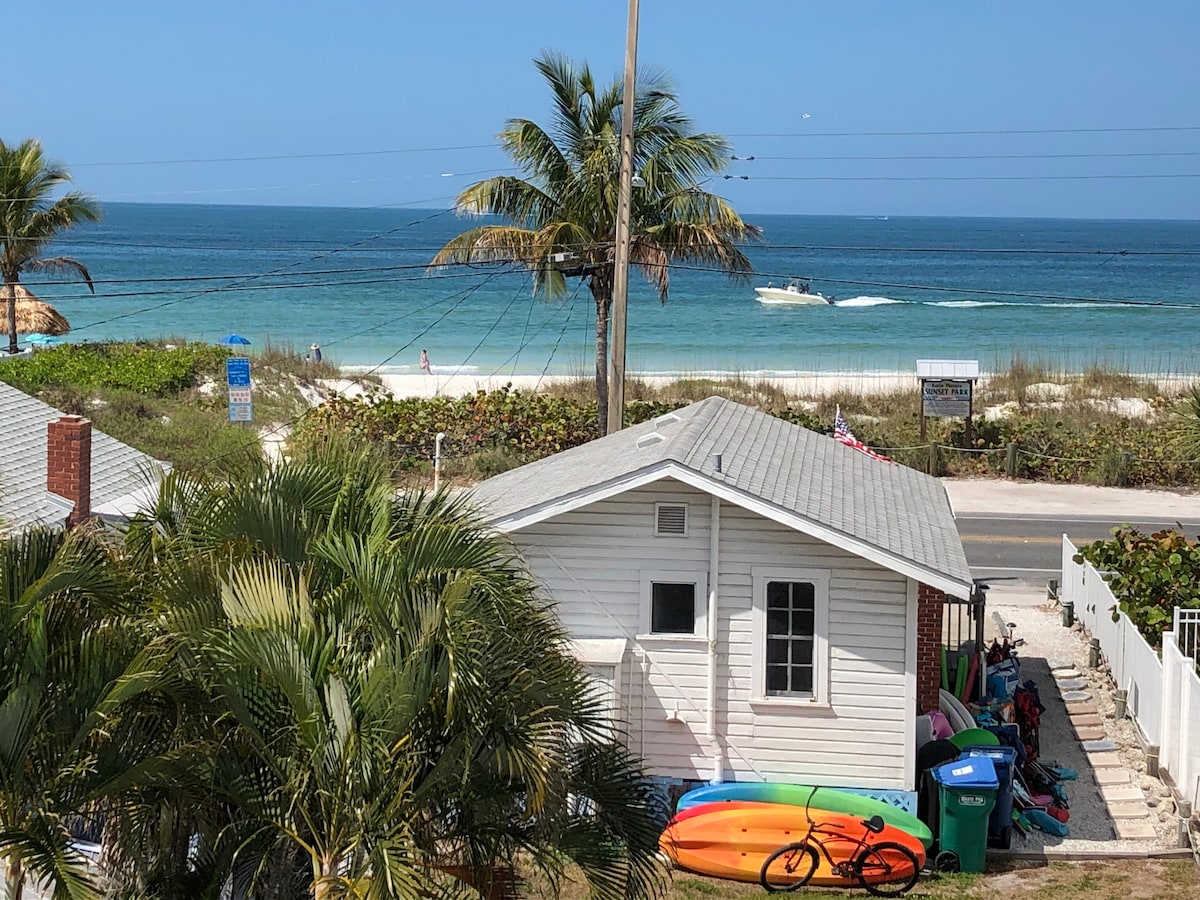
77, 687
567, 202
397, 711
30, 219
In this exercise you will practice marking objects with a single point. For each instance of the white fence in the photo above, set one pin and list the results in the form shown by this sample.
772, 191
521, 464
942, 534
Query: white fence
1164, 694
1180, 753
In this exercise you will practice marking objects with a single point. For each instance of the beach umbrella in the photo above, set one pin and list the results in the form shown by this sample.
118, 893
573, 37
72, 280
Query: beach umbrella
231, 339
33, 315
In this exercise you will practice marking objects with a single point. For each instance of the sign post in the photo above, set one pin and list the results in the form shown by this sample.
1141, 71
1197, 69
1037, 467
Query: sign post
237, 379
948, 389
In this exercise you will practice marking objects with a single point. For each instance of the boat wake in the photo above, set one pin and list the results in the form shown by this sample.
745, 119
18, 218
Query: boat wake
853, 302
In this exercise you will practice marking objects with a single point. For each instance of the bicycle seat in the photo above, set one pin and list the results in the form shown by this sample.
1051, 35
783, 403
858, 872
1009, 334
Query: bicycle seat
874, 824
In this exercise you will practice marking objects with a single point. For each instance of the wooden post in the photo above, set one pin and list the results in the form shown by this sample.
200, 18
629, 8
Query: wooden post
970, 411
935, 459
921, 400
1011, 465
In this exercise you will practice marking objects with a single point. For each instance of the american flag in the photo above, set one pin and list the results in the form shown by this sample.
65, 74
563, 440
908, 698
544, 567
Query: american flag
842, 434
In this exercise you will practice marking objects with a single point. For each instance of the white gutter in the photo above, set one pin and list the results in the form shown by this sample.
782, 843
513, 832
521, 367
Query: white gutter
714, 546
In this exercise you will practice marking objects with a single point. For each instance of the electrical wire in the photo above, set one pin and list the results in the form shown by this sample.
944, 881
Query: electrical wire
1146, 175
563, 331
257, 441
988, 156
992, 131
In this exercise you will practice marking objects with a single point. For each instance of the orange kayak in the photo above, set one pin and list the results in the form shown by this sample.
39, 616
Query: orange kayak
733, 839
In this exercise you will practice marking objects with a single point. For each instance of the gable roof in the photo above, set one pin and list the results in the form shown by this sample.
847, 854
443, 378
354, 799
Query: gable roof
118, 470
896, 516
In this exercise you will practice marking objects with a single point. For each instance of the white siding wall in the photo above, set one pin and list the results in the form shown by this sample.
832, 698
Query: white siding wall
591, 561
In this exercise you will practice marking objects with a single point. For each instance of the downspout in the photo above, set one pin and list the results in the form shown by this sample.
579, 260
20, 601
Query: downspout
714, 546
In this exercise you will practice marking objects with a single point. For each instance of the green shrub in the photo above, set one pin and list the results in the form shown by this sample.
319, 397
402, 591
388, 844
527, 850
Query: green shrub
141, 368
1150, 575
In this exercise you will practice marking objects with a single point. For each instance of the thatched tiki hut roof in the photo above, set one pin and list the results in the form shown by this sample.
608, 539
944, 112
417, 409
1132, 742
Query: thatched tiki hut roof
33, 315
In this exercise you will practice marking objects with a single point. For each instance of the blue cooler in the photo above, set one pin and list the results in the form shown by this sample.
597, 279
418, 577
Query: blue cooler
1000, 822
966, 795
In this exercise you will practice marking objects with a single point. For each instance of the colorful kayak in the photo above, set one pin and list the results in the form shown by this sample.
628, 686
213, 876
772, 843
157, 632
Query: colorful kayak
828, 799
732, 840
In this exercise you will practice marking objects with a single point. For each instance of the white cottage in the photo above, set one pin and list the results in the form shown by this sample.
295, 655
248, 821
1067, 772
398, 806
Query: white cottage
762, 602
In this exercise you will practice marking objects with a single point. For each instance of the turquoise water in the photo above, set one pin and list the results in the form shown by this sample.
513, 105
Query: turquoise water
907, 288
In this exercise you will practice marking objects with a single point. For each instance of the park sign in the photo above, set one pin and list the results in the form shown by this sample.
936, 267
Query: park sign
947, 389
946, 398
237, 379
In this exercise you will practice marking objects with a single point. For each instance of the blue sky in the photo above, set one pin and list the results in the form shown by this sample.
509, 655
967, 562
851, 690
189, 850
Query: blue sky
129, 82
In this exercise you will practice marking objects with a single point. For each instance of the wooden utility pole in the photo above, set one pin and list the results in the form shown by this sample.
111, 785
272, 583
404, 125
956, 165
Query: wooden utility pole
620, 294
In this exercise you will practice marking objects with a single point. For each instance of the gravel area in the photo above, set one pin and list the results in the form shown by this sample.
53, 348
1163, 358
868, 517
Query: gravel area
1091, 828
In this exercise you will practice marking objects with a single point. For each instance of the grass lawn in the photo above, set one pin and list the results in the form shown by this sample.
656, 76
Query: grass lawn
1126, 879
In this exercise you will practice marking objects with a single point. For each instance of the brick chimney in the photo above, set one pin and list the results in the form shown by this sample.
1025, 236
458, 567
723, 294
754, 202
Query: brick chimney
69, 464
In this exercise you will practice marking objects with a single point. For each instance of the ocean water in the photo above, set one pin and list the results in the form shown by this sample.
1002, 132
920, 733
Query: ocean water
1070, 292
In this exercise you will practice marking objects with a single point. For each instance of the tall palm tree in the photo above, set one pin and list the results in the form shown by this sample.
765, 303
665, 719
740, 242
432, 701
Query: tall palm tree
567, 202
30, 219
400, 714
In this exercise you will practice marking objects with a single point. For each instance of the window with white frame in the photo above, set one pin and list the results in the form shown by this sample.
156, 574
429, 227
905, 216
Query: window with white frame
674, 604
790, 656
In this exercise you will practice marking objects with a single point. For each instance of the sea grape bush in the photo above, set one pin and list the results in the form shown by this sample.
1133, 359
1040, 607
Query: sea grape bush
141, 368
1150, 575
527, 426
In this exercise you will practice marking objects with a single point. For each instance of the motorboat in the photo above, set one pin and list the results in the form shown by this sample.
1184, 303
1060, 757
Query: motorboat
794, 294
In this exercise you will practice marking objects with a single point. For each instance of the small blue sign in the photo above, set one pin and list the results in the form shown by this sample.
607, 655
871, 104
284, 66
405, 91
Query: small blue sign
237, 371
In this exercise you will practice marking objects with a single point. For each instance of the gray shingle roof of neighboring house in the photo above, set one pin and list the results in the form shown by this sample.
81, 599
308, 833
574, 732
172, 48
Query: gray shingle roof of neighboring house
808, 480
118, 470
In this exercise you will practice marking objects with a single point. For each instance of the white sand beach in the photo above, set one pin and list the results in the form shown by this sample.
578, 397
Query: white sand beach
808, 385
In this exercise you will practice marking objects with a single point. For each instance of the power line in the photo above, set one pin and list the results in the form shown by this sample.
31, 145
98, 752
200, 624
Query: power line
955, 177
283, 156
268, 274
358, 380
992, 131
992, 156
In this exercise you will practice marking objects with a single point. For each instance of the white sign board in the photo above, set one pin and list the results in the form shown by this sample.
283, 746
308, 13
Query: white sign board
946, 398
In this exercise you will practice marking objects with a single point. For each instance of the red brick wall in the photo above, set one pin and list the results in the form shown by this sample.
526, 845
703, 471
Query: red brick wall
929, 643
69, 464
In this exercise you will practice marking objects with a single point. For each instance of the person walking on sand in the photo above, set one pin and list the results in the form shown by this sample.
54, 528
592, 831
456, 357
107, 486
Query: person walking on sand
316, 352
425, 366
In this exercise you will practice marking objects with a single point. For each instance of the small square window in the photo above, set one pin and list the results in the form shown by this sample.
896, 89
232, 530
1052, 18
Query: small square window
672, 608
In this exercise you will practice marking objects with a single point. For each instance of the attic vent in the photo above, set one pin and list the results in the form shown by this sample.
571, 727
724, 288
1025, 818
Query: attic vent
666, 419
670, 518
647, 439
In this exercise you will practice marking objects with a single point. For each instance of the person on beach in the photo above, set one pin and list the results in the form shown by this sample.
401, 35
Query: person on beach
315, 349
425, 366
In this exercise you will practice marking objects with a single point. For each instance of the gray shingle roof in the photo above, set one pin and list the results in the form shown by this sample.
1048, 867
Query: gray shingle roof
117, 469
897, 510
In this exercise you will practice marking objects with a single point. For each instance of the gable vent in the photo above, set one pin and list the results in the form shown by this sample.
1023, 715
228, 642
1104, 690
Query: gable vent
670, 518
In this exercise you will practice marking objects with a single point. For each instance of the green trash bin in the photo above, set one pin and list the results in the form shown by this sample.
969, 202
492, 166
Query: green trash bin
966, 794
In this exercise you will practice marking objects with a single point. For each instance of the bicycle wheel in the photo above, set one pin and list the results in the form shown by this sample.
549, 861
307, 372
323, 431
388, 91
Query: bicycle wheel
887, 869
788, 868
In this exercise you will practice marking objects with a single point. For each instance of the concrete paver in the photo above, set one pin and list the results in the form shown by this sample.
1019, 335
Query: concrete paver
1089, 734
1110, 776
1105, 760
1132, 809
1086, 722
1135, 829
1121, 793
1098, 746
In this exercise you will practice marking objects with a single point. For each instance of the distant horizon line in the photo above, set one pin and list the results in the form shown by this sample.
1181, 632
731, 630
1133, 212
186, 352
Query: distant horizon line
860, 215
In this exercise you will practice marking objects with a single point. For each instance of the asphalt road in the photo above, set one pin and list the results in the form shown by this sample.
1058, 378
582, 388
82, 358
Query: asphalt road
1028, 549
